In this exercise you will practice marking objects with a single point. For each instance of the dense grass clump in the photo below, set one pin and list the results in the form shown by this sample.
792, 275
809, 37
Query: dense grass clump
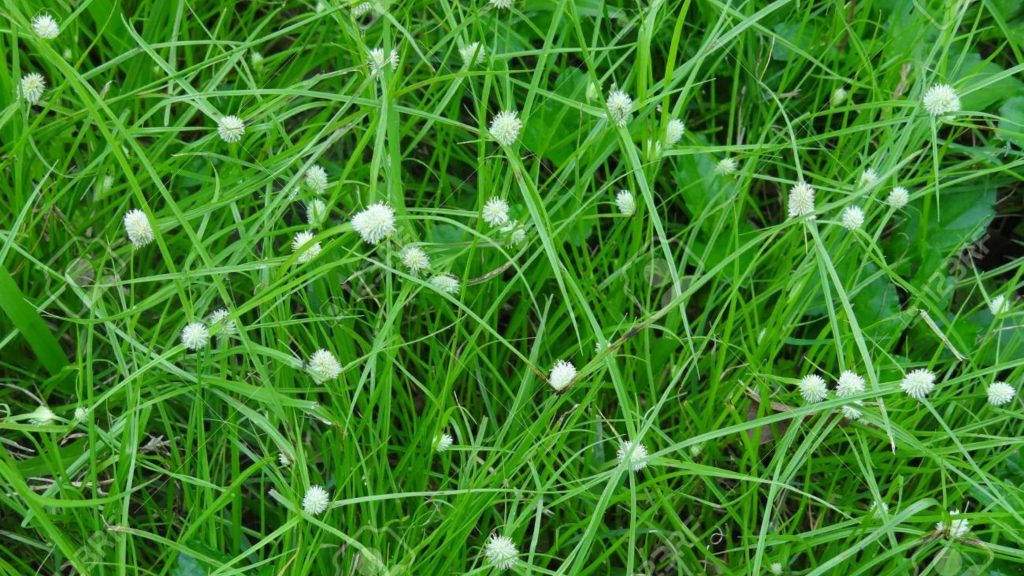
585, 287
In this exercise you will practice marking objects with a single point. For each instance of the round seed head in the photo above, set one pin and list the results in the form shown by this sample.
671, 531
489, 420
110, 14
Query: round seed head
316, 212
505, 127
898, 197
562, 374
45, 27
443, 442
501, 551
674, 132
801, 200
838, 97
813, 388
473, 54
362, 9
620, 107
316, 179
495, 212
918, 384
941, 100
726, 166
849, 384
378, 60
136, 224
316, 501
42, 416
445, 284
375, 223
230, 128
632, 455
195, 336
323, 366
625, 202
415, 259
228, 327
853, 217
1000, 393
868, 178
303, 243
32, 87
999, 305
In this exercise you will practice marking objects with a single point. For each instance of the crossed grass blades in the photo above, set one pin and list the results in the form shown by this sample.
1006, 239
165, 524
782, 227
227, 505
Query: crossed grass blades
670, 287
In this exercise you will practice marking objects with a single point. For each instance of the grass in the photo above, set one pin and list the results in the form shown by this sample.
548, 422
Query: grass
691, 322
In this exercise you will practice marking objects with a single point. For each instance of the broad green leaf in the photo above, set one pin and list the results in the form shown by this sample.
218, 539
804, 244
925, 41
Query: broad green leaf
30, 324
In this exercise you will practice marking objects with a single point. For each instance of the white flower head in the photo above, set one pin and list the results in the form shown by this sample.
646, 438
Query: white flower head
303, 241
473, 54
726, 166
445, 284
415, 259
625, 202
674, 132
375, 223
316, 212
801, 200
501, 4
850, 412
323, 366
620, 107
495, 212
562, 374
1000, 393
505, 127
108, 182
633, 455
316, 501
813, 388
228, 327
918, 383
838, 97
195, 336
849, 384
956, 529
868, 178
443, 442
81, 413
136, 224
378, 61
593, 91
42, 416
999, 305
45, 27
362, 9
230, 128
284, 460
898, 197
852, 217
316, 179
256, 59
775, 568
32, 87
941, 100
501, 551
518, 236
